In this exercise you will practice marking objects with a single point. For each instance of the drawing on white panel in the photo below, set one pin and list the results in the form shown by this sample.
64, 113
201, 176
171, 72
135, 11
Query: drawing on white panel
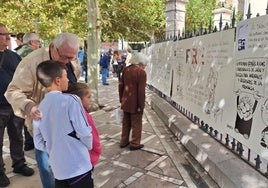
201, 55
188, 56
179, 85
210, 88
242, 37
194, 57
264, 116
246, 106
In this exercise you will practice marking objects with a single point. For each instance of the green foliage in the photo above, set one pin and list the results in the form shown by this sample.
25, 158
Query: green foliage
128, 19
238, 16
46, 17
199, 12
132, 20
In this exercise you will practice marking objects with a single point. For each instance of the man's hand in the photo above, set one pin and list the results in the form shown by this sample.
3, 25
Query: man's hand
35, 113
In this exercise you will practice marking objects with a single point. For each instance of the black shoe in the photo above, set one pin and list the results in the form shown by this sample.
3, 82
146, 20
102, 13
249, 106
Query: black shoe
132, 148
24, 170
28, 147
105, 84
125, 145
4, 181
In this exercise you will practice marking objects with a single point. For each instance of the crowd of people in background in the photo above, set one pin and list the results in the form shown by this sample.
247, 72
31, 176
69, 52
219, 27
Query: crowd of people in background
114, 61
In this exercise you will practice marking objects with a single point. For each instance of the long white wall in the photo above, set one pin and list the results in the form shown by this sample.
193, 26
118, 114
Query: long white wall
221, 78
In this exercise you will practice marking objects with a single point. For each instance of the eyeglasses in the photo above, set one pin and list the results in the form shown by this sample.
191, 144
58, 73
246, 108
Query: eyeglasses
38, 41
66, 57
5, 34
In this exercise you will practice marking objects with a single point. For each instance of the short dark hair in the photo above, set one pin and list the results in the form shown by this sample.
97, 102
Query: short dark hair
19, 36
47, 71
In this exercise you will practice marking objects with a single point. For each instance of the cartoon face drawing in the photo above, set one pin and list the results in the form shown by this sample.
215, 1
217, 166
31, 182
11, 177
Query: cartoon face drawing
245, 108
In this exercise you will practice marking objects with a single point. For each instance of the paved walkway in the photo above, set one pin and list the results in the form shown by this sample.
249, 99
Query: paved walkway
163, 162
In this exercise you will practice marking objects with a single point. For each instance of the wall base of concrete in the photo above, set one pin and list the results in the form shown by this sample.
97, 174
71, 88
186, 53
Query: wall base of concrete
227, 169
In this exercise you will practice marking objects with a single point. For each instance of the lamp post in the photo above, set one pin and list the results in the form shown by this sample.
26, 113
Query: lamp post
175, 17
245, 9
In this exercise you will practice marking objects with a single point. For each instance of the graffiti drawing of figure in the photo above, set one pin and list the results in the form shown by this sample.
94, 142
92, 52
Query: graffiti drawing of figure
245, 110
264, 116
211, 87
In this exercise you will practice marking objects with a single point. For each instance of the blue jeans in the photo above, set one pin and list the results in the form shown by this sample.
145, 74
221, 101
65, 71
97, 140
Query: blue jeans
104, 73
45, 172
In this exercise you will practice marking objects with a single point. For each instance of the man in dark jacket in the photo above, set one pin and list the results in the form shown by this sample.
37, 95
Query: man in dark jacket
132, 98
9, 61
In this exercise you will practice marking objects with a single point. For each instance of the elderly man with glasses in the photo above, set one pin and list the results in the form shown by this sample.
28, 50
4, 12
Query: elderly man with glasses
24, 92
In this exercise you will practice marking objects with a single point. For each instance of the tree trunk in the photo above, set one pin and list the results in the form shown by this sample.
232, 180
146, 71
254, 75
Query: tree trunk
93, 51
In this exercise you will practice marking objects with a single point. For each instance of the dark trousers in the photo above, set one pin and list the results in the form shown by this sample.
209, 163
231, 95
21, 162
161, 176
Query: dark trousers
28, 139
131, 122
14, 127
115, 70
119, 71
82, 181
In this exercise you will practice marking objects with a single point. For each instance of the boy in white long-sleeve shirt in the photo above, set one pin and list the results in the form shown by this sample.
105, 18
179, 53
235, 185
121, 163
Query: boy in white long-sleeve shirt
63, 130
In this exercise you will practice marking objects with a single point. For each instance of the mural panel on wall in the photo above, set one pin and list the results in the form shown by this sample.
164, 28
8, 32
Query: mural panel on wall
221, 78
159, 67
250, 84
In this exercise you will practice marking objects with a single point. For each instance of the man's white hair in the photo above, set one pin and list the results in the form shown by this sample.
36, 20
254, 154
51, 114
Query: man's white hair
139, 58
70, 39
30, 36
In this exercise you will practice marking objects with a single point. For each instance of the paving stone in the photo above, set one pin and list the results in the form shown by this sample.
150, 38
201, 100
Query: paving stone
110, 175
167, 168
159, 164
152, 182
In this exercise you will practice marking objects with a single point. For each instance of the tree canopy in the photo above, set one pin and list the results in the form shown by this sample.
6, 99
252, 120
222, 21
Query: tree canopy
128, 19
132, 20
199, 12
46, 17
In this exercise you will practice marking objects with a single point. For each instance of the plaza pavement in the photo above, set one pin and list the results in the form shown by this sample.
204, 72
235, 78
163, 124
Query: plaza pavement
163, 162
